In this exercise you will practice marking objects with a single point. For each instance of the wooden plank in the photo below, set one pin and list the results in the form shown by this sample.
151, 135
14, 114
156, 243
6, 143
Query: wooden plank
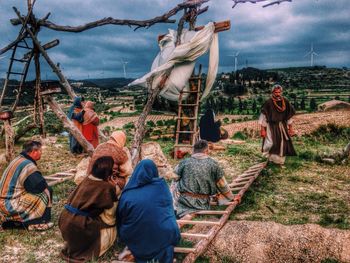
191, 222
184, 250
194, 235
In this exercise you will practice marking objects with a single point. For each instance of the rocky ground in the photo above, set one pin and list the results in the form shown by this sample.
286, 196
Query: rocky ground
250, 242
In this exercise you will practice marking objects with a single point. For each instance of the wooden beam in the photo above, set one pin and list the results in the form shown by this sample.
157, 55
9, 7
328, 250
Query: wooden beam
47, 46
219, 27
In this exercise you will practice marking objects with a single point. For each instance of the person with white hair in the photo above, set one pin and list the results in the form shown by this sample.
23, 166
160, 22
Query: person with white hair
276, 127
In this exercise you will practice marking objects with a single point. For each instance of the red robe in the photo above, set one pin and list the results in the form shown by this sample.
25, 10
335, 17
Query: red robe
90, 130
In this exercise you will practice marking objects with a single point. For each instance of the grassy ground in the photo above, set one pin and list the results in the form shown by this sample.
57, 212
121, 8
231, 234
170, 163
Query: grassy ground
306, 191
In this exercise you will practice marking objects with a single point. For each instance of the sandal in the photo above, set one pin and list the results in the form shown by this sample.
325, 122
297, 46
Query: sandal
40, 227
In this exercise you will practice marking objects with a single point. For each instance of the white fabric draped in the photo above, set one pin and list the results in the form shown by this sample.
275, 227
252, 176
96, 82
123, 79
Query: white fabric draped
182, 58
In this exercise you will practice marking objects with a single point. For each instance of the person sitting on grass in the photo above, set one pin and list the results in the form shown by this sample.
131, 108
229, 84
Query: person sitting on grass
25, 197
199, 178
87, 222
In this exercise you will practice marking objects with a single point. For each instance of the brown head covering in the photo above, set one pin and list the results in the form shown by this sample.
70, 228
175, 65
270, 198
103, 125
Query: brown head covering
89, 114
118, 138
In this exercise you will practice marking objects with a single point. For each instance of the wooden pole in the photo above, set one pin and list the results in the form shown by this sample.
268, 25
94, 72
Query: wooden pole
9, 140
38, 98
69, 125
153, 93
140, 125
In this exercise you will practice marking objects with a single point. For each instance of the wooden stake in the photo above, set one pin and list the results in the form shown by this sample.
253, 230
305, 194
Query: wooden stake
9, 141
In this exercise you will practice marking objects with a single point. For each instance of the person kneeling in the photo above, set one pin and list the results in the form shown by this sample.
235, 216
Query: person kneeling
25, 197
145, 218
87, 222
199, 178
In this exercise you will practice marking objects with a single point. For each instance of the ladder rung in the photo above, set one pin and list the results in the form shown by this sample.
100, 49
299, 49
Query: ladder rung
23, 47
186, 118
244, 179
194, 235
16, 73
237, 183
185, 132
20, 60
191, 222
212, 212
188, 105
184, 249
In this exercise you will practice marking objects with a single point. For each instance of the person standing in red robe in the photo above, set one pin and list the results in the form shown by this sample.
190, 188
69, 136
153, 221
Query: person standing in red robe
90, 124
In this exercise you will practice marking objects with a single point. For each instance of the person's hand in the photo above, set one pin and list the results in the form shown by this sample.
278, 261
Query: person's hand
263, 133
291, 132
112, 180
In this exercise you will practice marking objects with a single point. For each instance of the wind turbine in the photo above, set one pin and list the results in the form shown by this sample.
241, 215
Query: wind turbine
124, 66
236, 59
312, 54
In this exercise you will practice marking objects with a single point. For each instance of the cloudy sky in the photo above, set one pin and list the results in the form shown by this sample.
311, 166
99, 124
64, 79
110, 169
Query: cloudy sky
277, 36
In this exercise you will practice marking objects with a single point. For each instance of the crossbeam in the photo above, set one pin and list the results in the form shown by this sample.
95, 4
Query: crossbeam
219, 27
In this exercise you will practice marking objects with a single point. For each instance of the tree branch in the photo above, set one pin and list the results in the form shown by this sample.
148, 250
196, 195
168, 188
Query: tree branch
112, 21
277, 2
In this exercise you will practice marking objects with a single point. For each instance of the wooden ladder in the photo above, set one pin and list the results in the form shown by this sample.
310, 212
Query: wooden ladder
11, 92
213, 219
60, 177
190, 107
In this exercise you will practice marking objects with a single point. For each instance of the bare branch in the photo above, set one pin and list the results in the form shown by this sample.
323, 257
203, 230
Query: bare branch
112, 21
277, 2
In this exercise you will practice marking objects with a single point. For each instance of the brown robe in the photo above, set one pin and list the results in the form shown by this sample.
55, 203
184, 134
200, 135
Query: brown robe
83, 234
277, 122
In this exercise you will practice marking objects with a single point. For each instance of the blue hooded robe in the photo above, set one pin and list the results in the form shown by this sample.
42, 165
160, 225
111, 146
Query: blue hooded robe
74, 145
145, 216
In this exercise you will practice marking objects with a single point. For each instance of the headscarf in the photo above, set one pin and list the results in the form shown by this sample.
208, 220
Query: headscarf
145, 172
118, 138
146, 201
89, 114
76, 104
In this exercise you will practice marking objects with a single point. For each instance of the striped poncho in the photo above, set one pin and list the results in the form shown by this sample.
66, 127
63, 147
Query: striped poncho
16, 204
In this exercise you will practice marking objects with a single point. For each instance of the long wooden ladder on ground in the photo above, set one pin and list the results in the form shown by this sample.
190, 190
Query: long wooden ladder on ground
202, 238
190, 107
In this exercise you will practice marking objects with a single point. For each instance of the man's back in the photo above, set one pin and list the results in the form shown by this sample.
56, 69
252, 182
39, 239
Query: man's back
199, 175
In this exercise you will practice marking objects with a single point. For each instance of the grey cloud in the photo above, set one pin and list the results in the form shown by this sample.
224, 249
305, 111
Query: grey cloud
267, 37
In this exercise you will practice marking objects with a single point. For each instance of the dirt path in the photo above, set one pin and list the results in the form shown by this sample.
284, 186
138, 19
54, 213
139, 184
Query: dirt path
303, 123
247, 241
